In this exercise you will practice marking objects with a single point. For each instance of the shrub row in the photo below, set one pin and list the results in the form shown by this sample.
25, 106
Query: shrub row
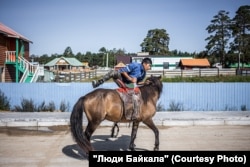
28, 105
209, 79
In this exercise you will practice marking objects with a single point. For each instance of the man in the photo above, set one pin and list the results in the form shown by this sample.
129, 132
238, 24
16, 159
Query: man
132, 74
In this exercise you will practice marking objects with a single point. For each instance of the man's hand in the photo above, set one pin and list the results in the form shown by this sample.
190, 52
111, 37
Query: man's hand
133, 80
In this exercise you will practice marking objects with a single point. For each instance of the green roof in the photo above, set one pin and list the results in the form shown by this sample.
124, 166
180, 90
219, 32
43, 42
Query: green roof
71, 60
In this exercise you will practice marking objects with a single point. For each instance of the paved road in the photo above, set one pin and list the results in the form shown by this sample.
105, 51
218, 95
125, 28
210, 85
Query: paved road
44, 139
53, 146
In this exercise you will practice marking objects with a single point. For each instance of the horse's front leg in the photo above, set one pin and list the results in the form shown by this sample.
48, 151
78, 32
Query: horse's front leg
133, 135
152, 126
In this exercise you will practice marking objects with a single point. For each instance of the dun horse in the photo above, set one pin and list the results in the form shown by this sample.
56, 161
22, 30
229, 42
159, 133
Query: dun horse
102, 104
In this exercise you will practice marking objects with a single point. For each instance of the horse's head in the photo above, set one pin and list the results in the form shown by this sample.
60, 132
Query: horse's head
154, 81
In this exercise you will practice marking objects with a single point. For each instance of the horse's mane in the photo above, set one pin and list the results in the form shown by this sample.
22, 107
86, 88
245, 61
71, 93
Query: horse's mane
152, 87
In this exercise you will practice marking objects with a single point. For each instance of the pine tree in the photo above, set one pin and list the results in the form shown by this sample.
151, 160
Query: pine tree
220, 32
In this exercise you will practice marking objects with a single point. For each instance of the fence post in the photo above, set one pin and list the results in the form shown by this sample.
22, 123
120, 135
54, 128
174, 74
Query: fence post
80, 76
57, 76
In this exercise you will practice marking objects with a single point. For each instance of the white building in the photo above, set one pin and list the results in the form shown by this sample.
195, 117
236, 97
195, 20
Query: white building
162, 62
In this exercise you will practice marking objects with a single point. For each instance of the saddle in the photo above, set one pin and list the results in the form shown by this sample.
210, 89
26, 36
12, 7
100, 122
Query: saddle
131, 98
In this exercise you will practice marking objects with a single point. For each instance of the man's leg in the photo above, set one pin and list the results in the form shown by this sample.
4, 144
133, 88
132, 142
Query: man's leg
111, 74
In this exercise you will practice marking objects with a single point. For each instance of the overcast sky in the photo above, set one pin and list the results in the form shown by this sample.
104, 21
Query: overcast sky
88, 25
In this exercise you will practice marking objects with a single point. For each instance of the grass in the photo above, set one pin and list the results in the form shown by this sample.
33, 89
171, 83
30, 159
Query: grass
229, 78
208, 79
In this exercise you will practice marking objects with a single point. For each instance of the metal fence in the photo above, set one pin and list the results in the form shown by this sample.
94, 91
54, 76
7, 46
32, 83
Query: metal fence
175, 96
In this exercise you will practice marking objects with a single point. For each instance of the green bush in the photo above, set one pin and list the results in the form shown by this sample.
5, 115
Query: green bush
4, 102
27, 105
173, 106
160, 107
51, 106
63, 106
43, 107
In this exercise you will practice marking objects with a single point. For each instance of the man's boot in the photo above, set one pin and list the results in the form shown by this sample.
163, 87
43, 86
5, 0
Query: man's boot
111, 74
96, 83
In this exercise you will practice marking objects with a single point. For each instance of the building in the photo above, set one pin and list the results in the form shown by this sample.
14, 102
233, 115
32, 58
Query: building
194, 63
162, 62
64, 64
123, 59
120, 65
14, 57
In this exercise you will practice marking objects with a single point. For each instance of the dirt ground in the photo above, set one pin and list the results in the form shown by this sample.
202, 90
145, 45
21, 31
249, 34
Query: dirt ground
54, 146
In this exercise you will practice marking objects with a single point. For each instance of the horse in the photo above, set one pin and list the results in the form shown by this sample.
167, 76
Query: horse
101, 104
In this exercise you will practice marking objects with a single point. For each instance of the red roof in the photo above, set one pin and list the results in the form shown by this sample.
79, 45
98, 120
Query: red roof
195, 62
11, 33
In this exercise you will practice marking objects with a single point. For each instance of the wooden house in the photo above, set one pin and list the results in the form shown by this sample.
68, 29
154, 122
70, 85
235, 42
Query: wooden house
64, 64
120, 65
194, 63
14, 56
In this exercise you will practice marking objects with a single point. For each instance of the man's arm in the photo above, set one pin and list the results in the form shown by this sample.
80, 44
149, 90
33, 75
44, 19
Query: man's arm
129, 78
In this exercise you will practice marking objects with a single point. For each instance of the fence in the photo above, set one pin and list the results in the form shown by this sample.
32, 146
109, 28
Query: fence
74, 76
179, 96
194, 72
243, 71
82, 76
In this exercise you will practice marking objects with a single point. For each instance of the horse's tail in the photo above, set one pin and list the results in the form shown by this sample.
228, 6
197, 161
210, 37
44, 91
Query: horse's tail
76, 126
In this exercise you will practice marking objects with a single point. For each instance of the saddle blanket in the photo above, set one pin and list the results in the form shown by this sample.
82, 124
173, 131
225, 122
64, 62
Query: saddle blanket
131, 99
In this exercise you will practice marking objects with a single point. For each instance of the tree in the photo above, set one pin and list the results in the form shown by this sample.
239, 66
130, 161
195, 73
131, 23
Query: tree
79, 56
240, 32
156, 42
68, 52
220, 35
102, 55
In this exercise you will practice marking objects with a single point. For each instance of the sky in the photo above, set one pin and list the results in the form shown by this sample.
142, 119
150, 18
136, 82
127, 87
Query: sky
88, 25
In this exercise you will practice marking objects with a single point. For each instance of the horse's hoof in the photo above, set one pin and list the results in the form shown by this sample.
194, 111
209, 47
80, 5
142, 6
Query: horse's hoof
132, 149
156, 149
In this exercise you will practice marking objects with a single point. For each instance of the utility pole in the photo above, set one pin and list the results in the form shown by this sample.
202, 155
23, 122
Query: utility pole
107, 60
239, 61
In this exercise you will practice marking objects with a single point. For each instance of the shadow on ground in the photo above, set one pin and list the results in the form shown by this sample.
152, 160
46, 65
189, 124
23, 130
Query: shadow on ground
100, 143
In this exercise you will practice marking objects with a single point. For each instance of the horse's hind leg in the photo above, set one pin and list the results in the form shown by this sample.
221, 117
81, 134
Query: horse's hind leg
133, 135
113, 130
90, 130
152, 126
